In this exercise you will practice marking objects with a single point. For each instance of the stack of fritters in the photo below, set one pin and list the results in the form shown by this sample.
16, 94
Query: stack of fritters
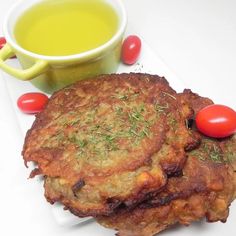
206, 188
120, 148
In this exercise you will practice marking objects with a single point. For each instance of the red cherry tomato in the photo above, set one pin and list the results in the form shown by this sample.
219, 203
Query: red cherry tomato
2, 42
217, 121
131, 49
32, 103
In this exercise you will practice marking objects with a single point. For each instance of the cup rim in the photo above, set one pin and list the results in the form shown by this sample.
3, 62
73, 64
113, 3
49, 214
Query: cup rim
86, 54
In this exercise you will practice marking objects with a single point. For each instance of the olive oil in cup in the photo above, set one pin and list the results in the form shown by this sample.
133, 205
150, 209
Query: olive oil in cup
66, 27
63, 41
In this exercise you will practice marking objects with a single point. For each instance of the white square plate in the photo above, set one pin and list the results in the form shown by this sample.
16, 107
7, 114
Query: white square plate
66, 223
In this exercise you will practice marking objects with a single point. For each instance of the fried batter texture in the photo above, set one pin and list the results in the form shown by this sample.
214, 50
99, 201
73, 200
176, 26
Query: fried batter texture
205, 190
109, 142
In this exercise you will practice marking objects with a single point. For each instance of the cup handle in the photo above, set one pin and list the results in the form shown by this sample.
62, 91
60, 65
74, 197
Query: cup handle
38, 68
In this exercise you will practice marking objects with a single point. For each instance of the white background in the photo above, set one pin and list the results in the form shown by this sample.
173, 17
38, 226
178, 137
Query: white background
195, 38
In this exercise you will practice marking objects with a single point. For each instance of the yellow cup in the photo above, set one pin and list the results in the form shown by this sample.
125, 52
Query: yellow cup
50, 73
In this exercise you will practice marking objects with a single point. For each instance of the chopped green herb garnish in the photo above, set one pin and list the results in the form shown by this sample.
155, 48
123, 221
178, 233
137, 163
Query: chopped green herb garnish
209, 151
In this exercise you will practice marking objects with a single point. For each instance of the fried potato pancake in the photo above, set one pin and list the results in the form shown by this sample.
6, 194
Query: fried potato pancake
206, 188
109, 141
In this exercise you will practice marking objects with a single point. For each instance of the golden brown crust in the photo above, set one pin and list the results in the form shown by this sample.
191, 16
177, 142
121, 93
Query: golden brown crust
194, 100
229, 147
150, 222
119, 135
205, 189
